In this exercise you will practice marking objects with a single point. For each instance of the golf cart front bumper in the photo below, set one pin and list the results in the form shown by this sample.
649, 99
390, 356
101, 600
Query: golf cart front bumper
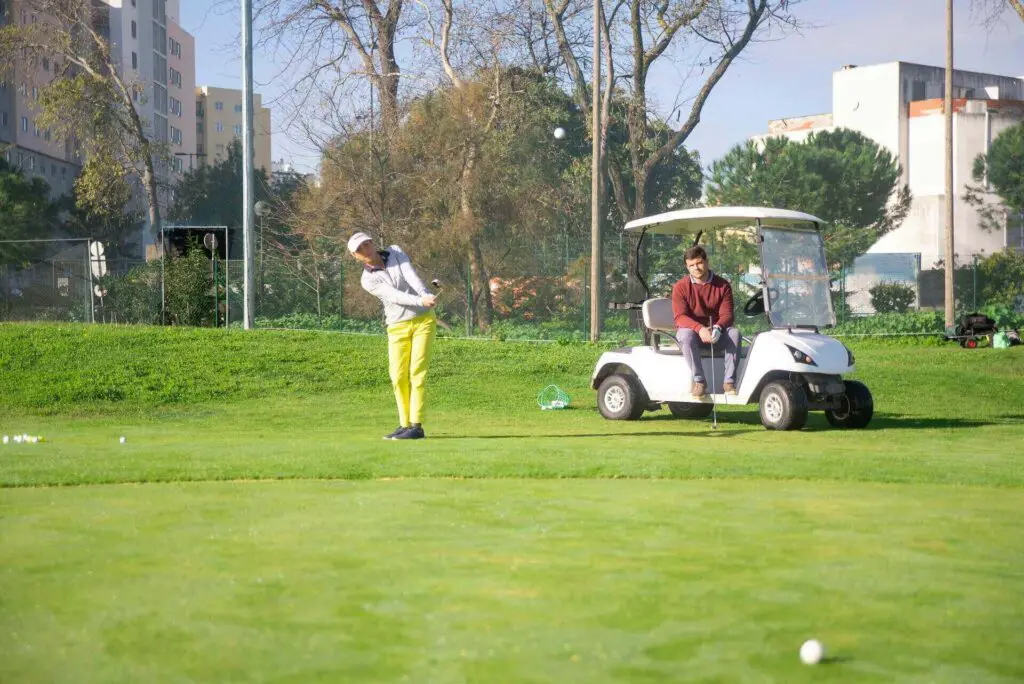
824, 391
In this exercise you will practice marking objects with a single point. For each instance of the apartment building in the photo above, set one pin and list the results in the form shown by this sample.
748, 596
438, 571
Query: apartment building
219, 121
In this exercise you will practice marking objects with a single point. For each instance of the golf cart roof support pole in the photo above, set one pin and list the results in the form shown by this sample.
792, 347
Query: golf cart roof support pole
636, 265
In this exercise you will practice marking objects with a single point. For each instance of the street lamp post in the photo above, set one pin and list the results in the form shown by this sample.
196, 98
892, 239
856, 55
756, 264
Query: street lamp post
595, 183
948, 104
262, 209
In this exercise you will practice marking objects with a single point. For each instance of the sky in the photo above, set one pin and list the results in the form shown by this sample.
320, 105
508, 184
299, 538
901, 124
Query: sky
781, 78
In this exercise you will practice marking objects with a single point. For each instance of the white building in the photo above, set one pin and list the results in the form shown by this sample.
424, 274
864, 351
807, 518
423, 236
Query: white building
900, 106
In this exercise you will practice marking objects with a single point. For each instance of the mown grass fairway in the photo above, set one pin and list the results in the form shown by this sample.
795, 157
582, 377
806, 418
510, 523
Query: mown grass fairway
256, 528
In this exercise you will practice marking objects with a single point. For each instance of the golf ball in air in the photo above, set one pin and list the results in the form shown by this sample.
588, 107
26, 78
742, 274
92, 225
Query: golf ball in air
559, 133
123, 440
811, 652
6, 439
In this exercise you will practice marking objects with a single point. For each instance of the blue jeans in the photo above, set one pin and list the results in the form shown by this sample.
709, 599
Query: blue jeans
729, 344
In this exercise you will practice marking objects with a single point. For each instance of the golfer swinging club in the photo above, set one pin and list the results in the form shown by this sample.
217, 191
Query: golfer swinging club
408, 313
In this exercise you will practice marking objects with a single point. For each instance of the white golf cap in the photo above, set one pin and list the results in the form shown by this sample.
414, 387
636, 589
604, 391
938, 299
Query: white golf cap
356, 240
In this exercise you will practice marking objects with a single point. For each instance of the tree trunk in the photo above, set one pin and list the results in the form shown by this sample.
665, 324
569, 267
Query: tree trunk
483, 286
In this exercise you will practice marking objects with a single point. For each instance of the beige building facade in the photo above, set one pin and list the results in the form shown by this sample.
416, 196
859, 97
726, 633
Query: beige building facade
219, 121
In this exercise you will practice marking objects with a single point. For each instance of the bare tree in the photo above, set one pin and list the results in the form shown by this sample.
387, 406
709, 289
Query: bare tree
88, 101
321, 40
990, 11
713, 33
484, 38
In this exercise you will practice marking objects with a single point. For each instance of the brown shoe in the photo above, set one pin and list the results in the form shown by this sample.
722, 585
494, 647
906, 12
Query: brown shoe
729, 388
699, 389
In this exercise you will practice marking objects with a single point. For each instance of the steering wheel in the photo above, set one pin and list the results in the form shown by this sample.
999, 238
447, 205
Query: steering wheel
755, 305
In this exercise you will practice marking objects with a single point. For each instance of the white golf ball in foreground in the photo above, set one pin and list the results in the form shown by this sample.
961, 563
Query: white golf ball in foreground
123, 440
6, 439
812, 652
559, 133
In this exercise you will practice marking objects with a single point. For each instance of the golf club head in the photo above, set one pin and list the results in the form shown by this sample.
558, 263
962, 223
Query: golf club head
436, 284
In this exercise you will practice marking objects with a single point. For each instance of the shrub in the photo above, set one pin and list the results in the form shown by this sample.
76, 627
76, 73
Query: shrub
892, 297
1003, 276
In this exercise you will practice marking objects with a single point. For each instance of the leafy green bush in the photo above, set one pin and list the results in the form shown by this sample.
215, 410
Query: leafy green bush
134, 297
892, 297
1002, 275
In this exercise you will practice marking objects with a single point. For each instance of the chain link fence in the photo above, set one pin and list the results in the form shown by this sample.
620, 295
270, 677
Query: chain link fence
541, 293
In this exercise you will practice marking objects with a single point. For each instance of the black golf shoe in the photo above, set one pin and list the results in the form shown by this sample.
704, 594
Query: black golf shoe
398, 430
414, 432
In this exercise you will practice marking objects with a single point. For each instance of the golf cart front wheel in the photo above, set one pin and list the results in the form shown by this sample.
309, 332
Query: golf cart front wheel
783, 406
856, 409
685, 410
620, 398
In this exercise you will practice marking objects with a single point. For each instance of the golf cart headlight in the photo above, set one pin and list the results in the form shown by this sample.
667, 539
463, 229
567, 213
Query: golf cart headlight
800, 357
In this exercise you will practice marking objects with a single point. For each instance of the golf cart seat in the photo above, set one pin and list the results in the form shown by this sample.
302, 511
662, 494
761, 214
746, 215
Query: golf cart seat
660, 320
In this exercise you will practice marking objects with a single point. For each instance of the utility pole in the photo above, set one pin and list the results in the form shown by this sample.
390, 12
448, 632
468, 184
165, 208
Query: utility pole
248, 176
595, 184
948, 106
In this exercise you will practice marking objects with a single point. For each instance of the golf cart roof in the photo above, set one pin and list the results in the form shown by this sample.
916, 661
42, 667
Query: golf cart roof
687, 221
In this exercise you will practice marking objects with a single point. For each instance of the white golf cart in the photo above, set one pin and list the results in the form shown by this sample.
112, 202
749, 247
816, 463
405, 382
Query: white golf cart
788, 370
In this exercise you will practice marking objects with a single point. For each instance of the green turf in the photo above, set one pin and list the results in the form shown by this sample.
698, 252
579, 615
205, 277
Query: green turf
279, 539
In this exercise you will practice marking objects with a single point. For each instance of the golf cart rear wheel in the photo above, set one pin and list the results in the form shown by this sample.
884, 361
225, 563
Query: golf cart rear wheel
620, 397
857, 408
783, 406
685, 410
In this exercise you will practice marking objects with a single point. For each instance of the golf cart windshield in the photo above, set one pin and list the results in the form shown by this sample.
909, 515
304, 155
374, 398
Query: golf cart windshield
796, 278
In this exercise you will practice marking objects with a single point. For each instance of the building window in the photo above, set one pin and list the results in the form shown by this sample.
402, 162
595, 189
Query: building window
175, 136
46, 135
24, 124
135, 29
3, 119
53, 170
199, 128
135, 63
35, 93
175, 77
219, 127
219, 106
238, 130
36, 131
23, 89
238, 109
917, 91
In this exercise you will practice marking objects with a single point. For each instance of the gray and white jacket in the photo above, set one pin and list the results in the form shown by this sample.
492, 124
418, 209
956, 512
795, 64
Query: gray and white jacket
396, 285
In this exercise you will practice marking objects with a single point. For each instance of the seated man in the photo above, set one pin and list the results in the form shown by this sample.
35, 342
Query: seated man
702, 306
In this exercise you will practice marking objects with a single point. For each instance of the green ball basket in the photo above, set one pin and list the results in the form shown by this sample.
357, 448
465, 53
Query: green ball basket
552, 398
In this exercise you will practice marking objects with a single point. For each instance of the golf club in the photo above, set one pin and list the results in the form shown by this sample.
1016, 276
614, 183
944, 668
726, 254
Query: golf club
714, 404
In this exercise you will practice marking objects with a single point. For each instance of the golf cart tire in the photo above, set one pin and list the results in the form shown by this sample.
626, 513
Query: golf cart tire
689, 410
858, 408
620, 397
783, 406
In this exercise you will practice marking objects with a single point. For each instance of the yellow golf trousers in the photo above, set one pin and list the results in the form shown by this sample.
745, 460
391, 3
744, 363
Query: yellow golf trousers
408, 353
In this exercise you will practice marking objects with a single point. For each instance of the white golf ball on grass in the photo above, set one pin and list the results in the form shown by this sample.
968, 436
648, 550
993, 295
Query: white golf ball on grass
559, 133
812, 652
123, 439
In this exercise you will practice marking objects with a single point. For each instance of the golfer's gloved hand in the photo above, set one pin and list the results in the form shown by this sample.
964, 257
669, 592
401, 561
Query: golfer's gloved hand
716, 334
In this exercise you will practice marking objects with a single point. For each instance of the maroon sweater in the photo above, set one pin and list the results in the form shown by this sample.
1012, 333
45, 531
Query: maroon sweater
694, 305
